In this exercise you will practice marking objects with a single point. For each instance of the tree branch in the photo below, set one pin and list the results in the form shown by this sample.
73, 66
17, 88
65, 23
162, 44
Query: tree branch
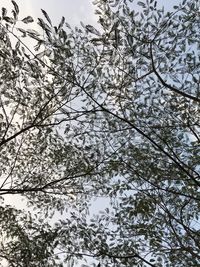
173, 89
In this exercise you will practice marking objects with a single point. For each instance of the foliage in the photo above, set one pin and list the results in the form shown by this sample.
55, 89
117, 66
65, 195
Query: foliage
109, 112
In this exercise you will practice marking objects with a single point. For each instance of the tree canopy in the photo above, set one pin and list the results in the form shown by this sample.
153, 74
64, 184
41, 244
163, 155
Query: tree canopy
107, 112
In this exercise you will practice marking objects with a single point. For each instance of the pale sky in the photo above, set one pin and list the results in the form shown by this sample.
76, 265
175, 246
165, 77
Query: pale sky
73, 10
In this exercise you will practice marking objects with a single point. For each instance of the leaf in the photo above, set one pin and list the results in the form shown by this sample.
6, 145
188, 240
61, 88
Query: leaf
63, 34
141, 4
115, 3
38, 45
67, 25
91, 29
44, 25
8, 19
27, 20
15, 6
4, 11
33, 34
46, 16
40, 55
130, 40
117, 37
82, 24
14, 15
61, 23
17, 45
22, 31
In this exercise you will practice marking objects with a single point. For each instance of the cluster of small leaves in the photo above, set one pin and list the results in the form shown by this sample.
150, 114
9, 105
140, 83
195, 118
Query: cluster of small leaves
26, 241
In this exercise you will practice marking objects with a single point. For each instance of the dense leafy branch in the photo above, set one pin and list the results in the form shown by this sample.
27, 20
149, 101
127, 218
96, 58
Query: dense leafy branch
173, 89
92, 114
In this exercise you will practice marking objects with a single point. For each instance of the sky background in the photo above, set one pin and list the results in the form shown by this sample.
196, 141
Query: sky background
73, 10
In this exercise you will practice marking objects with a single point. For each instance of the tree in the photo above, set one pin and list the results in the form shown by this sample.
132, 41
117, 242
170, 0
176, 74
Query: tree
110, 112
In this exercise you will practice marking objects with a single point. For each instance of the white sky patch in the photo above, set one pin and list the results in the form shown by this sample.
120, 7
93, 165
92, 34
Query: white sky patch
73, 10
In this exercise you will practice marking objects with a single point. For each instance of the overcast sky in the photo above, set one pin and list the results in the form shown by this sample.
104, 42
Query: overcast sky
73, 10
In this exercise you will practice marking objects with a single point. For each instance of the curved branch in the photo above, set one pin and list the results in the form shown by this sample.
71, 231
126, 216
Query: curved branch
142, 133
173, 89
129, 257
111, 256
